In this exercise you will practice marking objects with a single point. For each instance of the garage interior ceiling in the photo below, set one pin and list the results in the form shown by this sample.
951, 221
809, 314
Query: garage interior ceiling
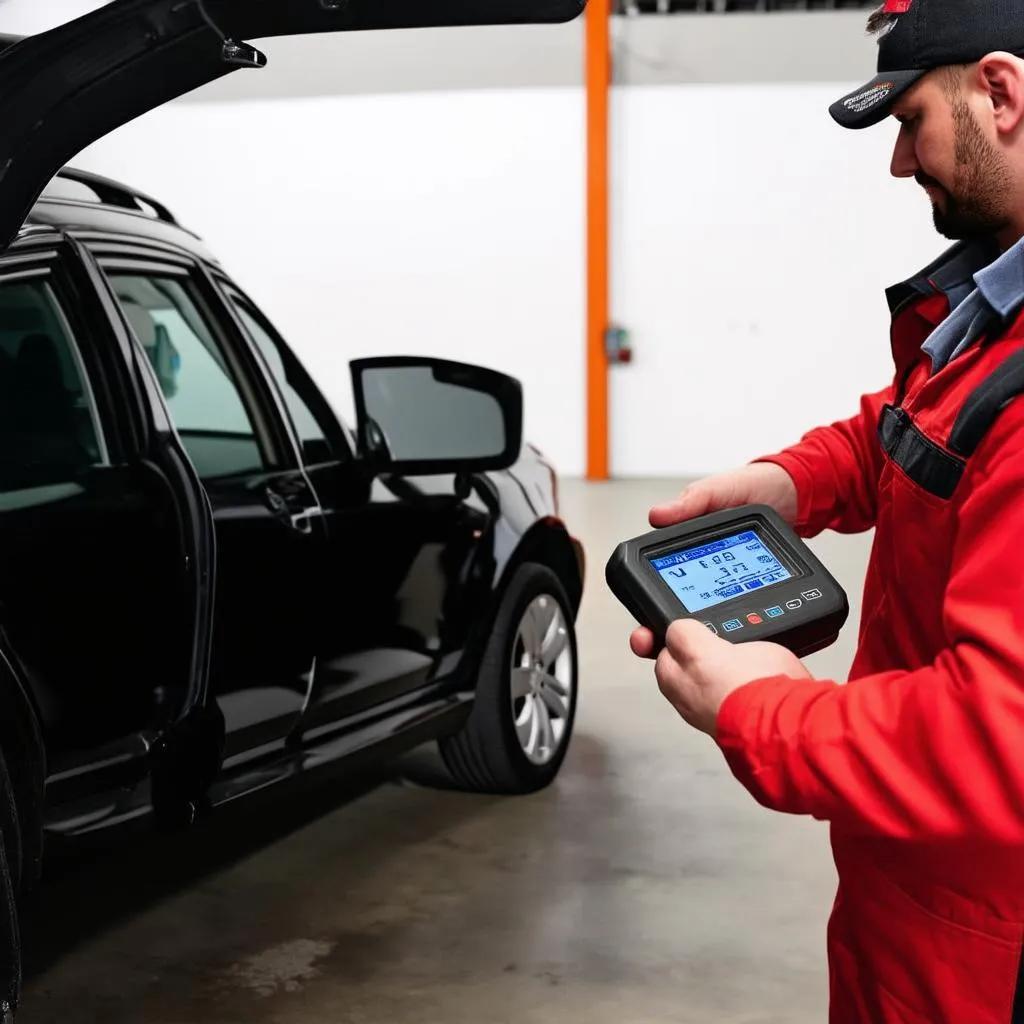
746, 46
736, 6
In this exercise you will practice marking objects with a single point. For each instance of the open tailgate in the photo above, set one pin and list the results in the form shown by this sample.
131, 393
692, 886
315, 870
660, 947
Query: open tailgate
62, 90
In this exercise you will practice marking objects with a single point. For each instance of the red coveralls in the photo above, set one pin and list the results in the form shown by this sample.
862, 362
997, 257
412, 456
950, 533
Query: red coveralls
918, 761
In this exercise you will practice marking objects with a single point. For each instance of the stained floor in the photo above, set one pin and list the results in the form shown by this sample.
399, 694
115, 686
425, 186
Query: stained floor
644, 887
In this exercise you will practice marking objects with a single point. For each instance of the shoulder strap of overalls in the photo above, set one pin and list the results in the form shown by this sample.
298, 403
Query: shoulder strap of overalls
935, 468
985, 403
938, 469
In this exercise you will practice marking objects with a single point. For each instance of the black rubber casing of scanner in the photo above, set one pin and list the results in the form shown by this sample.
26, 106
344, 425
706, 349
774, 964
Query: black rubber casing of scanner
812, 627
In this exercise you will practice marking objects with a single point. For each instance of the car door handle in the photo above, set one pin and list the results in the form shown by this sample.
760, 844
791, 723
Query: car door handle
275, 502
302, 521
281, 506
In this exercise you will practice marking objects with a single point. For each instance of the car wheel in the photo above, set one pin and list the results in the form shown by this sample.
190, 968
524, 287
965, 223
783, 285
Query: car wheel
519, 730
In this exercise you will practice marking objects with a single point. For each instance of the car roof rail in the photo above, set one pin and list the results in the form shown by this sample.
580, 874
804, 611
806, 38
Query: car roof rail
113, 193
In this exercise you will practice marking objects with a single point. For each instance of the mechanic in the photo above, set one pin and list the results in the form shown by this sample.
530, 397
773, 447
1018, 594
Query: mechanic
917, 761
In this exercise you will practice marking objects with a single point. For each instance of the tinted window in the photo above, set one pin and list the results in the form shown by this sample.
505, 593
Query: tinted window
294, 383
305, 422
49, 432
198, 384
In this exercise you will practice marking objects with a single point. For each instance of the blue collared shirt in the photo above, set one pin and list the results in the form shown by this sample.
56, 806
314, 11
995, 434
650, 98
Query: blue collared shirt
998, 293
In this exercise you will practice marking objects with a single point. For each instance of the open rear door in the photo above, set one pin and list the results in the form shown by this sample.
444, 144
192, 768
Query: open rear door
62, 90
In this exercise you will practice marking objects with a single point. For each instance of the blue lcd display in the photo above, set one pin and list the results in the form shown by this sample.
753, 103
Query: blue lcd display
720, 570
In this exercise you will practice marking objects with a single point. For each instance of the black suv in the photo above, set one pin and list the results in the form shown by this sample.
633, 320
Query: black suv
210, 583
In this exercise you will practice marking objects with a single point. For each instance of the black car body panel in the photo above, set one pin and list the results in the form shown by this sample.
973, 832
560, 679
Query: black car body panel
380, 662
205, 593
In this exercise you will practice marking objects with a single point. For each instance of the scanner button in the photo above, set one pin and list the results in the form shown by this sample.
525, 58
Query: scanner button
732, 624
711, 626
774, 612
794, 604
812, 595
754, 619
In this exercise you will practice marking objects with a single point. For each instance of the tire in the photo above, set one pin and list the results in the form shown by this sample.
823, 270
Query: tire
488, 754
10, 831
10, 882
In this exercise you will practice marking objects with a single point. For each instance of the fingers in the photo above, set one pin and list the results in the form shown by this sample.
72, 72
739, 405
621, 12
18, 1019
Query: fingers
666, 673
669, 514
675, 683
759, 482
641, 642
686, 638
688, 505
695, 500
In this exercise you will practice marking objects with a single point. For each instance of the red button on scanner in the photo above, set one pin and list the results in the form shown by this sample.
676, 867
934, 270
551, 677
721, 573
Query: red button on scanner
753, 618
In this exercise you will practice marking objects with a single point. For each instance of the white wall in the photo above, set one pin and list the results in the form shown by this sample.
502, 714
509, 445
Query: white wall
448, 224
751, 239
26, 17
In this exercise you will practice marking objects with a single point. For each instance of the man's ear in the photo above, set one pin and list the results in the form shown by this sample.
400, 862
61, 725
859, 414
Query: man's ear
1001, 77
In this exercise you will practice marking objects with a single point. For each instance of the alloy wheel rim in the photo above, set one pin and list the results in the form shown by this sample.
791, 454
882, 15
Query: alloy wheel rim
542, 679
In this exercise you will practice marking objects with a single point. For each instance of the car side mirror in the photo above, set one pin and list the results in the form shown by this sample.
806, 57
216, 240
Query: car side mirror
419, 416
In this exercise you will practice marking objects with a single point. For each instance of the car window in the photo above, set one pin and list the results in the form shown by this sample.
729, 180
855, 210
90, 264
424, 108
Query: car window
49, 429
316, 446
304, 420
197, 383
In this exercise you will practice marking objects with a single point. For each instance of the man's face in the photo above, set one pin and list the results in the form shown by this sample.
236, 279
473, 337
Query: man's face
943, 146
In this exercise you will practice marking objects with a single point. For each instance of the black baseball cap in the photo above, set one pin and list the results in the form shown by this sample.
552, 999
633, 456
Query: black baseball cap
924, 35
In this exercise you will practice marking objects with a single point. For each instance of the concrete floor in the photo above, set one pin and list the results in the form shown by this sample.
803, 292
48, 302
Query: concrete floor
645, 887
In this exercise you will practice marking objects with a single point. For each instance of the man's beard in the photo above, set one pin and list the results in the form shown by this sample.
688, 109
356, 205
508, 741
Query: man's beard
977, 207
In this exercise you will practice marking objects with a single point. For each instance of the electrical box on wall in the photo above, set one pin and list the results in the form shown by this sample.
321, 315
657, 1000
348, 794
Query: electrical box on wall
617, 345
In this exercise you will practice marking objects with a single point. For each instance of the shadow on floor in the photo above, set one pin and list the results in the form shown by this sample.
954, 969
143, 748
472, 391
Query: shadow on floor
86, 891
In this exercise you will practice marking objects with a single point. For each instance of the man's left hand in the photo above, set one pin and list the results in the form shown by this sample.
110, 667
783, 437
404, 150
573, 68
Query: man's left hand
697, 670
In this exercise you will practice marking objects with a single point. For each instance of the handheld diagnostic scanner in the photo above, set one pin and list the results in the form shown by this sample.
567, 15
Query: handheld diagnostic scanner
742, 572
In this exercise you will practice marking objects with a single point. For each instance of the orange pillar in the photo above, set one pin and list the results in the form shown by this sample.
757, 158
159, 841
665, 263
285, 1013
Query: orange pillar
598, 80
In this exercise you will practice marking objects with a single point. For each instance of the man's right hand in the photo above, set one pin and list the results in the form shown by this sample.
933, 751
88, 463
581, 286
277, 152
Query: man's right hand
760, 483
